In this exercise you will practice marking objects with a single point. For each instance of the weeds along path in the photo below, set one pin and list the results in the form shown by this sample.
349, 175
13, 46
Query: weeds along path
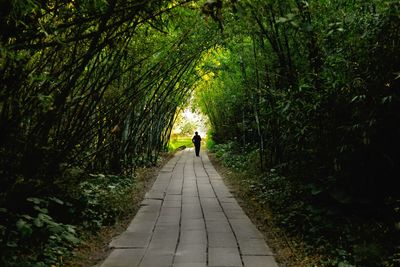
189, 218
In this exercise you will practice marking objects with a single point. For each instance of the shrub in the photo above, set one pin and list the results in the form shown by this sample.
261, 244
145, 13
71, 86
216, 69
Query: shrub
36, 238
103, 198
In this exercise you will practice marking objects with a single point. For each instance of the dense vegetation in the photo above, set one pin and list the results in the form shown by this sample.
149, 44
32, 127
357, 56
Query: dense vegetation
87, 87
90, 91
310, 91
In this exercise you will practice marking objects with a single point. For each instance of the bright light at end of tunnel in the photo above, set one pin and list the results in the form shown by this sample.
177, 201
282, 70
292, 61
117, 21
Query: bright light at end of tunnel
188, 122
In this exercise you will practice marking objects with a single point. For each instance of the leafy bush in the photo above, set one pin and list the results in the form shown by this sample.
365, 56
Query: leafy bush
210, 143
302, 209
226, 153
36, 238
40, 237
103, 198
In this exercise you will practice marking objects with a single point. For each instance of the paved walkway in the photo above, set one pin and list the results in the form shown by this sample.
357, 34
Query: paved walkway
190, 219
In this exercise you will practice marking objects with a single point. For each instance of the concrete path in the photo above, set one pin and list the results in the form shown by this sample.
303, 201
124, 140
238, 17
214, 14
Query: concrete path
190, 219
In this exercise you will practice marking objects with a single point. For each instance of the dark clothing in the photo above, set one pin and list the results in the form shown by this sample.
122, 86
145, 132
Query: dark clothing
196, 141
197, 149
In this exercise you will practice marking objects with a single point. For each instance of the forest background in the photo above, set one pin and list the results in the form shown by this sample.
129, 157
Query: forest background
302, 98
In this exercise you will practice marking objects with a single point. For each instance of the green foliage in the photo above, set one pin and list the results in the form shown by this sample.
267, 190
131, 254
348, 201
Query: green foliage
87, 87
210, 143
179, 141
231, 159
233, 156
98, 201
91, 84
318, 96
188, 128
343, 237
103, 199
39, 239
310, 88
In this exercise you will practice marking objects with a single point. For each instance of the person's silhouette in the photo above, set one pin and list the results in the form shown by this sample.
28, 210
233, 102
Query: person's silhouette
196, 141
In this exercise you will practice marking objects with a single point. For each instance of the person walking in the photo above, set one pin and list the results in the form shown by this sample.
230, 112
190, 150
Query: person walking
196, 141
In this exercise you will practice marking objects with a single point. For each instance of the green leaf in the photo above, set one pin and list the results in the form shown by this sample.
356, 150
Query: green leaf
41, 210
71, 238
282, 20
38, 222
35, 200
286, 107
24, 228
56, 200
12, 244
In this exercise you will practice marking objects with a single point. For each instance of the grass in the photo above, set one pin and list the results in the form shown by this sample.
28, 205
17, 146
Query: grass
180, 141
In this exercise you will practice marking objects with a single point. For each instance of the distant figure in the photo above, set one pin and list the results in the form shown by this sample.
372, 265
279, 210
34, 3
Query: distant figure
196, 141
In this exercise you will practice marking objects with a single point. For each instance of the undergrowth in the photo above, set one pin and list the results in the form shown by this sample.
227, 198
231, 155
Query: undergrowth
47, 230
345, 234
